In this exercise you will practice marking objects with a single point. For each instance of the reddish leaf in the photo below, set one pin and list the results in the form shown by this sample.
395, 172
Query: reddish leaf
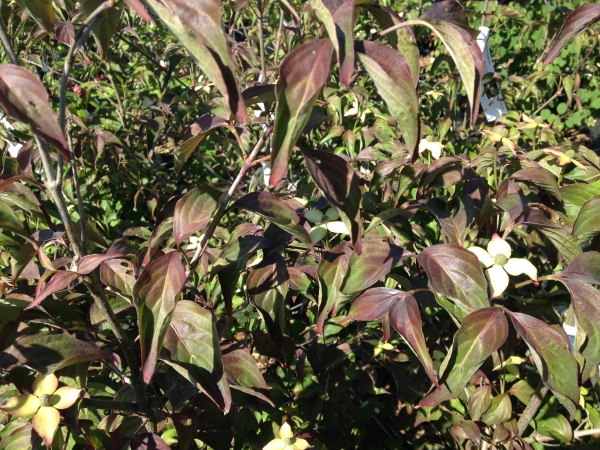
583, 17
136, 5
194, 135
274, 210
406, 319
540, 177
240, 249
393, 78
59, 281
339, 184
88, 263
65, 32
373, 304
148, 441
197, 25
47, 352
377, 260
332, 271
193, 211
10, 222
119, 274
456, 273
155, 294
481, 333
302, 75
192, 348
552, 358
24, 98
402, 39
587, 264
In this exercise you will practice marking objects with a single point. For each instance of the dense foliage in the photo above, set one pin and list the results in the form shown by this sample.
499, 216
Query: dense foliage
281, 224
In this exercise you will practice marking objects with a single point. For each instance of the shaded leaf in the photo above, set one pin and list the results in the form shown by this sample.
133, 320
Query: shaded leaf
59, 281
193, 211
240, 249
481, 333
41, 11
583, 17
550, 423
197, 24
540, 177
456, 273
274, 210
148, 441
302, 75
47, 352
197, 132
565, 242
339, 184
393, 78
447, 10
552, 357
24, 98
9, 220
331, 271
119, 274
105, 27
192, 348
155, 294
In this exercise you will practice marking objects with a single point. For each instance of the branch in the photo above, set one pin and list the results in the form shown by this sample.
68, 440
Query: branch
77, 192
225, 200
96, 403
532, 408
8, 48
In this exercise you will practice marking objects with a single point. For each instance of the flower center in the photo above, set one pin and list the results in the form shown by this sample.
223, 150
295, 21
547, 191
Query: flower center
44, 400
500, 260
569, 154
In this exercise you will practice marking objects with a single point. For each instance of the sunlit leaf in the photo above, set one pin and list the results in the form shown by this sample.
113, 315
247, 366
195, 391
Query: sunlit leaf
42, 12
332, 271
88, 263
59, 281
193, 211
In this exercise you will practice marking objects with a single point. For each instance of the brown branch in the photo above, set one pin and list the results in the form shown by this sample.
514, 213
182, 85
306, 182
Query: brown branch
8, 48
532, 408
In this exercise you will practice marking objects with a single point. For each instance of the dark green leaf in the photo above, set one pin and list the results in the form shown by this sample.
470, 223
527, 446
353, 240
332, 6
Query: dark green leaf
104, 29
239, 249
41, 11
550, 423
587, 219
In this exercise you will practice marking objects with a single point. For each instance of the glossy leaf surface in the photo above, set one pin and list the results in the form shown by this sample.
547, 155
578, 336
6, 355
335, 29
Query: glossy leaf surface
193, 211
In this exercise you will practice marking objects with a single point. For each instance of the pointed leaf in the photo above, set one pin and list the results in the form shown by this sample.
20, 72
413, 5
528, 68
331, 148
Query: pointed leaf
402, 39
239, 249
540, 177
193, 211
587, 219
552, 357
393, 78
567, 244
48, 352
339, 184
10, 222
105, 27
198, 130
456, 273
88, 263
466, 54
406, 319
500, 410
148, 441
192, 348
576, 22
59, 281
25, 99
302, 75
197, 24
376, 261
481, 333
332, 271
373, 304
119, 274
42, 12
274, 210
587, 264
155, 294
45, 422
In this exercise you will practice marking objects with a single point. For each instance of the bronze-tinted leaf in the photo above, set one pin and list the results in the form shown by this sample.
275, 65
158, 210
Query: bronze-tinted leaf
119, 274
373, 304
393, 78
448, 10
587, 219
9, 220
402, 39
587, 264
148, 441
576, 22
194, 135
240, 249
65, 32
192, 348
88, 263
456, 273
193, 211
540, 177
274, 210
155, 294
105, 27
552, 358
24, 98
41, 11
197, 24
339, 184
59, 281
302, 75
332, 271
46, 352
481, 333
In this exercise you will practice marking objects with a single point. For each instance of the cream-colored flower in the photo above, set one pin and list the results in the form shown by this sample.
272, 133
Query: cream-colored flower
434, 147
45, 402
498, 264
286, 440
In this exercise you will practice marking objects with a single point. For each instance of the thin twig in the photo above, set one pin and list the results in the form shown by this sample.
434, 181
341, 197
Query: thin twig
77, 189
279, 36
532, 408
484, 14
261, 41
8, 48
226, 198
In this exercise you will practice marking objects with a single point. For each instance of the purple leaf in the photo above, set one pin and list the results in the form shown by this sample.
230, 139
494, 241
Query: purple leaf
88, 263
59, 281
193, 211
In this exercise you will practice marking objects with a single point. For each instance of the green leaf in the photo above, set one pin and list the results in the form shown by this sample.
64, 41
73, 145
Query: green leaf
540, 177
565, 242
552, 357
47, 352
550, 423
500, 410
392, 77
331, 271
466, 55
339, 184
193, 211
302, 75
456, 273
25, 99
479, 401
274, 210
240, 249
377, 260
192, 348
587, 219
197, 24
198, 131
155, 294
481, 333
105, 27
402, 39
41, 11
19, 436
